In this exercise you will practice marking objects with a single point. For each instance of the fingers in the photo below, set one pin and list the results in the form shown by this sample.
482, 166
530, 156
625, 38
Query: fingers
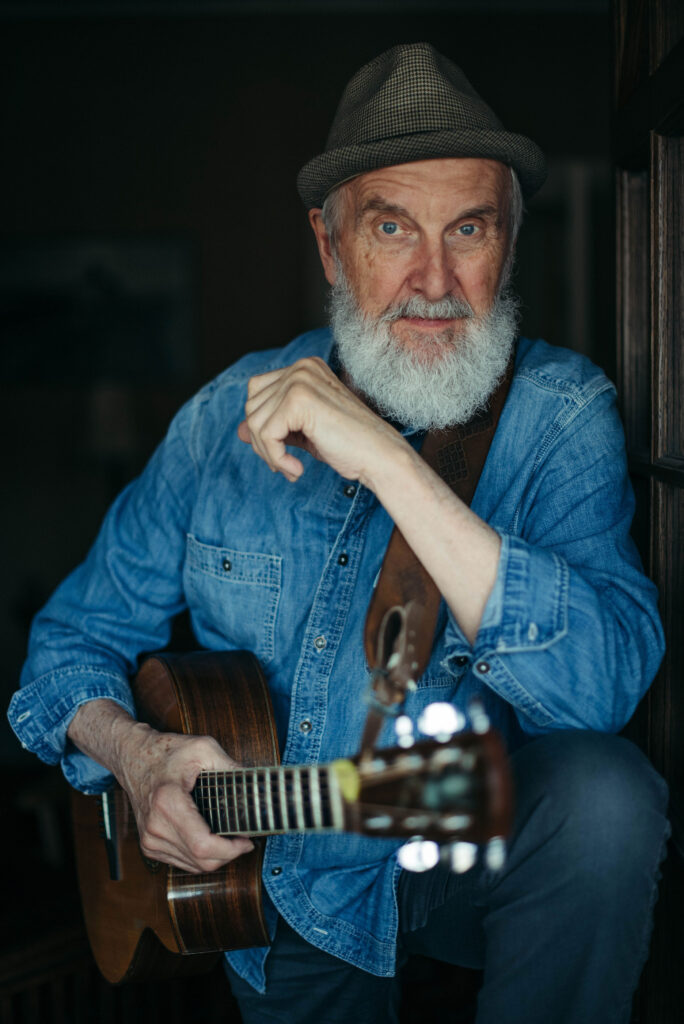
175, 833
277, 409
312, 367
159, 780
287, 407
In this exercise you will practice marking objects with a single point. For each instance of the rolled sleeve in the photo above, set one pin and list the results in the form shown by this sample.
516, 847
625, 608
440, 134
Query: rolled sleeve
564, 648
40, 714
528, 606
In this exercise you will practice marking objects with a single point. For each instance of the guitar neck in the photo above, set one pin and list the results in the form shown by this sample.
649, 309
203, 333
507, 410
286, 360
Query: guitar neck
267, 801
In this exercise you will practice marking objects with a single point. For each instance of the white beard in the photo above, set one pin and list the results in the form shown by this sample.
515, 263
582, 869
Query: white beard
436, 392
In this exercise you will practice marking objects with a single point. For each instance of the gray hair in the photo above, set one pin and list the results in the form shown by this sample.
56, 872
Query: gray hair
332, 211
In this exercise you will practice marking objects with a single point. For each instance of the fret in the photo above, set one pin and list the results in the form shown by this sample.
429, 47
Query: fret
213, 802
335, 798
325, 789
235, 803
244, 803
207, 802
224, 800
282, 793
315, 793
257, 807
198, 797
269, 800
298, 799
221, 798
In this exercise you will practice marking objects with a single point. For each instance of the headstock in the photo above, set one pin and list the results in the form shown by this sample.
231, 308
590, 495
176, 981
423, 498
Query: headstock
447, 794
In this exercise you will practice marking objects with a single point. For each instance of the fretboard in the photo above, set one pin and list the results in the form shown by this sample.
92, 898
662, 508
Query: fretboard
264, 801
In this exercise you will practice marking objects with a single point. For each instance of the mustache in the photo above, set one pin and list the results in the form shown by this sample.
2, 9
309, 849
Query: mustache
447, 308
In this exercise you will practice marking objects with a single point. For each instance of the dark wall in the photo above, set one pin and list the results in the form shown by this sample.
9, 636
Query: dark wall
199, 126
165, 150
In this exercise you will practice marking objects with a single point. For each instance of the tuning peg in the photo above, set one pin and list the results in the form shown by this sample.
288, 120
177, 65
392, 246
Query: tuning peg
495, 853
418, 855
478, 716
441, 720
462, 856
403, 728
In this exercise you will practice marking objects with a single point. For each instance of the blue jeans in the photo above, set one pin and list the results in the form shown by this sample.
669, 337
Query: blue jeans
562, 932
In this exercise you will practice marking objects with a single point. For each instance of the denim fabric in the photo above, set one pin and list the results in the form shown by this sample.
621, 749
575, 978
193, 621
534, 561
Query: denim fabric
570, 637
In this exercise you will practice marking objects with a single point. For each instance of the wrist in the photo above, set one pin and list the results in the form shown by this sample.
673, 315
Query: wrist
388, 464
106, 732
129, 737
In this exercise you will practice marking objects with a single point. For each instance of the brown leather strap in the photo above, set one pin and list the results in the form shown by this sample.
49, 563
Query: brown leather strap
402, 614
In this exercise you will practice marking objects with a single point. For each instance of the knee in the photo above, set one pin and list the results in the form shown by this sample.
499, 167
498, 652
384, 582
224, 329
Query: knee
596, 798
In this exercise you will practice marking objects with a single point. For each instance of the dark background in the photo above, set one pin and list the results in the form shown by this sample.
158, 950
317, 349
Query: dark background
150, 233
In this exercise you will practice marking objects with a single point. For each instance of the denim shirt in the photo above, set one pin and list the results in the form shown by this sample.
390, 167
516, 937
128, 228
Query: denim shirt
570, 636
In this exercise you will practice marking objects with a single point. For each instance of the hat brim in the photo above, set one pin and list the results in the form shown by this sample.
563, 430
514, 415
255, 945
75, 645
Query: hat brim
320, 175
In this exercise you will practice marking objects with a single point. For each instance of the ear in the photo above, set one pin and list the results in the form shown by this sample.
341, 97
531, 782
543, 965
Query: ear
325, 250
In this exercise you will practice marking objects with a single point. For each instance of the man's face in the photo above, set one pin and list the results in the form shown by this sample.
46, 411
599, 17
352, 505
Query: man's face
424, 230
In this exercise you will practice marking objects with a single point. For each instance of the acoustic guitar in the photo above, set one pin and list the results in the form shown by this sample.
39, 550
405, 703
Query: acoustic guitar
143, 917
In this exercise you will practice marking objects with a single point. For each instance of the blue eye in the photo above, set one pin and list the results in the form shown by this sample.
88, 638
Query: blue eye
389, 227
467, 229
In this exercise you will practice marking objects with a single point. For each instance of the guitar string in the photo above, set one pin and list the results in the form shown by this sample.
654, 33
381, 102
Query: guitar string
306, 810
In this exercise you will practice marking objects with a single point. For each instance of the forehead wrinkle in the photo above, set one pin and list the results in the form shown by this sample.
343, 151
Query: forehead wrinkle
380, 205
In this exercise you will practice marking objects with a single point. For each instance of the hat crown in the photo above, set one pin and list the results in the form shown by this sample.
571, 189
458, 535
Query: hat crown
412, 103
407, 90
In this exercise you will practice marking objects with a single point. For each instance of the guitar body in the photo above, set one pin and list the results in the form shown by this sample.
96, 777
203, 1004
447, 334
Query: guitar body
144, 917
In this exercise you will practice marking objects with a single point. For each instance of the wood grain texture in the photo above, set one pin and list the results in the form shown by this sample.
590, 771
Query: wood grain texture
649, 146
221, 909
667, 298
633, 309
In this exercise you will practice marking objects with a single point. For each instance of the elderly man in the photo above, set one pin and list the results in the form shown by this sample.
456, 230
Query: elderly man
267, 512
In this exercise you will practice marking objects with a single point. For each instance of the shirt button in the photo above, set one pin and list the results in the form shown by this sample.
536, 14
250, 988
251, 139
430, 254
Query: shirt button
461, 660
320, 642
350, 490
482, 666
305, 725
533, 631
343, 559
276, 871
226, 565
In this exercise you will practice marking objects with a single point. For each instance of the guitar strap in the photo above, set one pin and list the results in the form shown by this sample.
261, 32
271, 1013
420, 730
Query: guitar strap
402, 615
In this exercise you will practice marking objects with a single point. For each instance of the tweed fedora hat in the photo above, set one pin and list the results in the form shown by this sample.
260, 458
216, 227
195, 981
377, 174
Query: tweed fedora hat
412, 103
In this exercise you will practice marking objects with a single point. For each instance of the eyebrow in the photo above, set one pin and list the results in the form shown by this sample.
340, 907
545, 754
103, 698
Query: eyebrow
377, 203
381, 205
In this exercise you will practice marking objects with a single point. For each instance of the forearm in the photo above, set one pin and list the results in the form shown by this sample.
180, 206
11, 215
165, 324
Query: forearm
457, 548
104, 731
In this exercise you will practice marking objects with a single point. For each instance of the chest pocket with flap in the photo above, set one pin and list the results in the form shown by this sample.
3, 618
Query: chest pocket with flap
233, 596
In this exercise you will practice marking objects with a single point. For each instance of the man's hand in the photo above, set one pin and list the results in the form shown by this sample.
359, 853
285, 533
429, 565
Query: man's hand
306, 405
158, 772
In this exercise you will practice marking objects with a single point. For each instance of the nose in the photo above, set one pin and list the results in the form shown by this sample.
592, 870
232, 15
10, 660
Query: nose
433, 273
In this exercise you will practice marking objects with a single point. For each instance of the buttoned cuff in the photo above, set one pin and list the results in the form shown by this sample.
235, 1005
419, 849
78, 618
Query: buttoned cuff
40, 714
528, 606
527, 611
